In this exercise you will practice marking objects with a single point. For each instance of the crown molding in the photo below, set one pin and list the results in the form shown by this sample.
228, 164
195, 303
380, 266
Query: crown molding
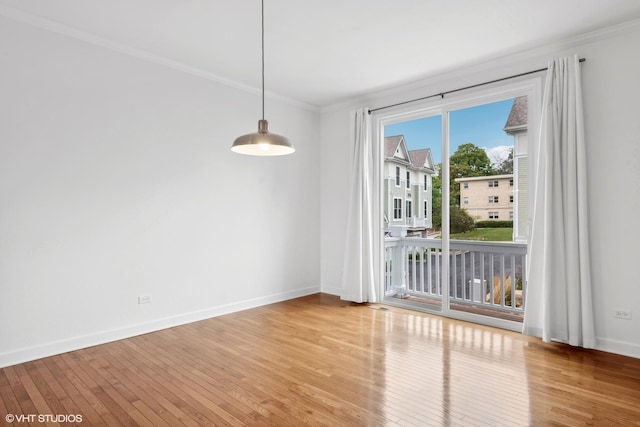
509, 62
84, 36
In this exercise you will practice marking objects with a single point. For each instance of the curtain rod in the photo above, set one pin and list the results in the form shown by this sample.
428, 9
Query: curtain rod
442, 94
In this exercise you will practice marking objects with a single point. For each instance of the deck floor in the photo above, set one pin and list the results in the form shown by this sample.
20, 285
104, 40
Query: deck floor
468, 308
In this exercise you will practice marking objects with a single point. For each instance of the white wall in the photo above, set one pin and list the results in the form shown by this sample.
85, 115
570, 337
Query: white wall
334, 200
116, 180
611, 94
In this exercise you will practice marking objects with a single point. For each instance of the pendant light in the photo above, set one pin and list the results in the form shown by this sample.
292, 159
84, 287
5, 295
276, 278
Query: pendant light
262, 143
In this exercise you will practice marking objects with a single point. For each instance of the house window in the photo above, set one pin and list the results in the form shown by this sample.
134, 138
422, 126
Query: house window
408, 179
426, 183
465, 185
493, 183
397, 208
409, 209
426, 209
465, 200
494, 215
511, 182
493, 199
511, 198
397, 176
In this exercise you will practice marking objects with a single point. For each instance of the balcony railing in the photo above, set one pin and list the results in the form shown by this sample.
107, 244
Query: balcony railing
486, 277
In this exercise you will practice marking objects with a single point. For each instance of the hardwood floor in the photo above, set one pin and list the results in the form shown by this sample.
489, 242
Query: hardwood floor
319, 361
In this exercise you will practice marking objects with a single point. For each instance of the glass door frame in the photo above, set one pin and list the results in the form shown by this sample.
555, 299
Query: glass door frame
530, 87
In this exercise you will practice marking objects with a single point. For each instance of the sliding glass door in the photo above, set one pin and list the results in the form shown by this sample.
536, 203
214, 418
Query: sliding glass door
455, 206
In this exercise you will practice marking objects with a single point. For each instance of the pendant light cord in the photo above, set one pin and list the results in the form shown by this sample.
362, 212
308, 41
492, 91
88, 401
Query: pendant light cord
262, 59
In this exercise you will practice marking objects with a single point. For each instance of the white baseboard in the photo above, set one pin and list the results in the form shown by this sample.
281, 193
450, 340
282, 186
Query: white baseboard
619, 347
76, 343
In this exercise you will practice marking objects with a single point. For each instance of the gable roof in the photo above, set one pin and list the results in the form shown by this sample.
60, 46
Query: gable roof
421, 158
395, 148
391, 145
417, 159
518, 116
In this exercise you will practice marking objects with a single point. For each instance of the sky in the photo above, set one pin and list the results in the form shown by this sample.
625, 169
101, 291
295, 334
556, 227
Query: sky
481, 125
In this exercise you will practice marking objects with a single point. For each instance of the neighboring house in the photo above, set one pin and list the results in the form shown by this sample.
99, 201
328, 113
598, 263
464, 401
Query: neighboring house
407, 186
487, 197
516, 126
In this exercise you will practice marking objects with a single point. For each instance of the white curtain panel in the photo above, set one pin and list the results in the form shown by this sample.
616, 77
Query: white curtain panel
362, 260
559, 295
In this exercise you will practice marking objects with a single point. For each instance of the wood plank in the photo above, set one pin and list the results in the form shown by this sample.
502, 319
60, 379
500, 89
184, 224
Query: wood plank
19, 392
8, 402
78, 397
319, 361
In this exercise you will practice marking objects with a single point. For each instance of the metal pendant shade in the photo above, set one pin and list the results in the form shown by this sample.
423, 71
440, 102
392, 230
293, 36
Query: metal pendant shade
262, 143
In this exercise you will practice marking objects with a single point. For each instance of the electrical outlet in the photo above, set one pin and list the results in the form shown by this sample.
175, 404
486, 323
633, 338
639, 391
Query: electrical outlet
144, 299
622, 314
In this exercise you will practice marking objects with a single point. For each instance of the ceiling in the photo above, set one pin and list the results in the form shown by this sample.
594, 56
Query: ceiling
323, 52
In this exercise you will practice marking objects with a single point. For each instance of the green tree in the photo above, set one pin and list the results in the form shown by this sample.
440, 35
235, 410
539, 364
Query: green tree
468, 160
436, 198
460, 220
506, 166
